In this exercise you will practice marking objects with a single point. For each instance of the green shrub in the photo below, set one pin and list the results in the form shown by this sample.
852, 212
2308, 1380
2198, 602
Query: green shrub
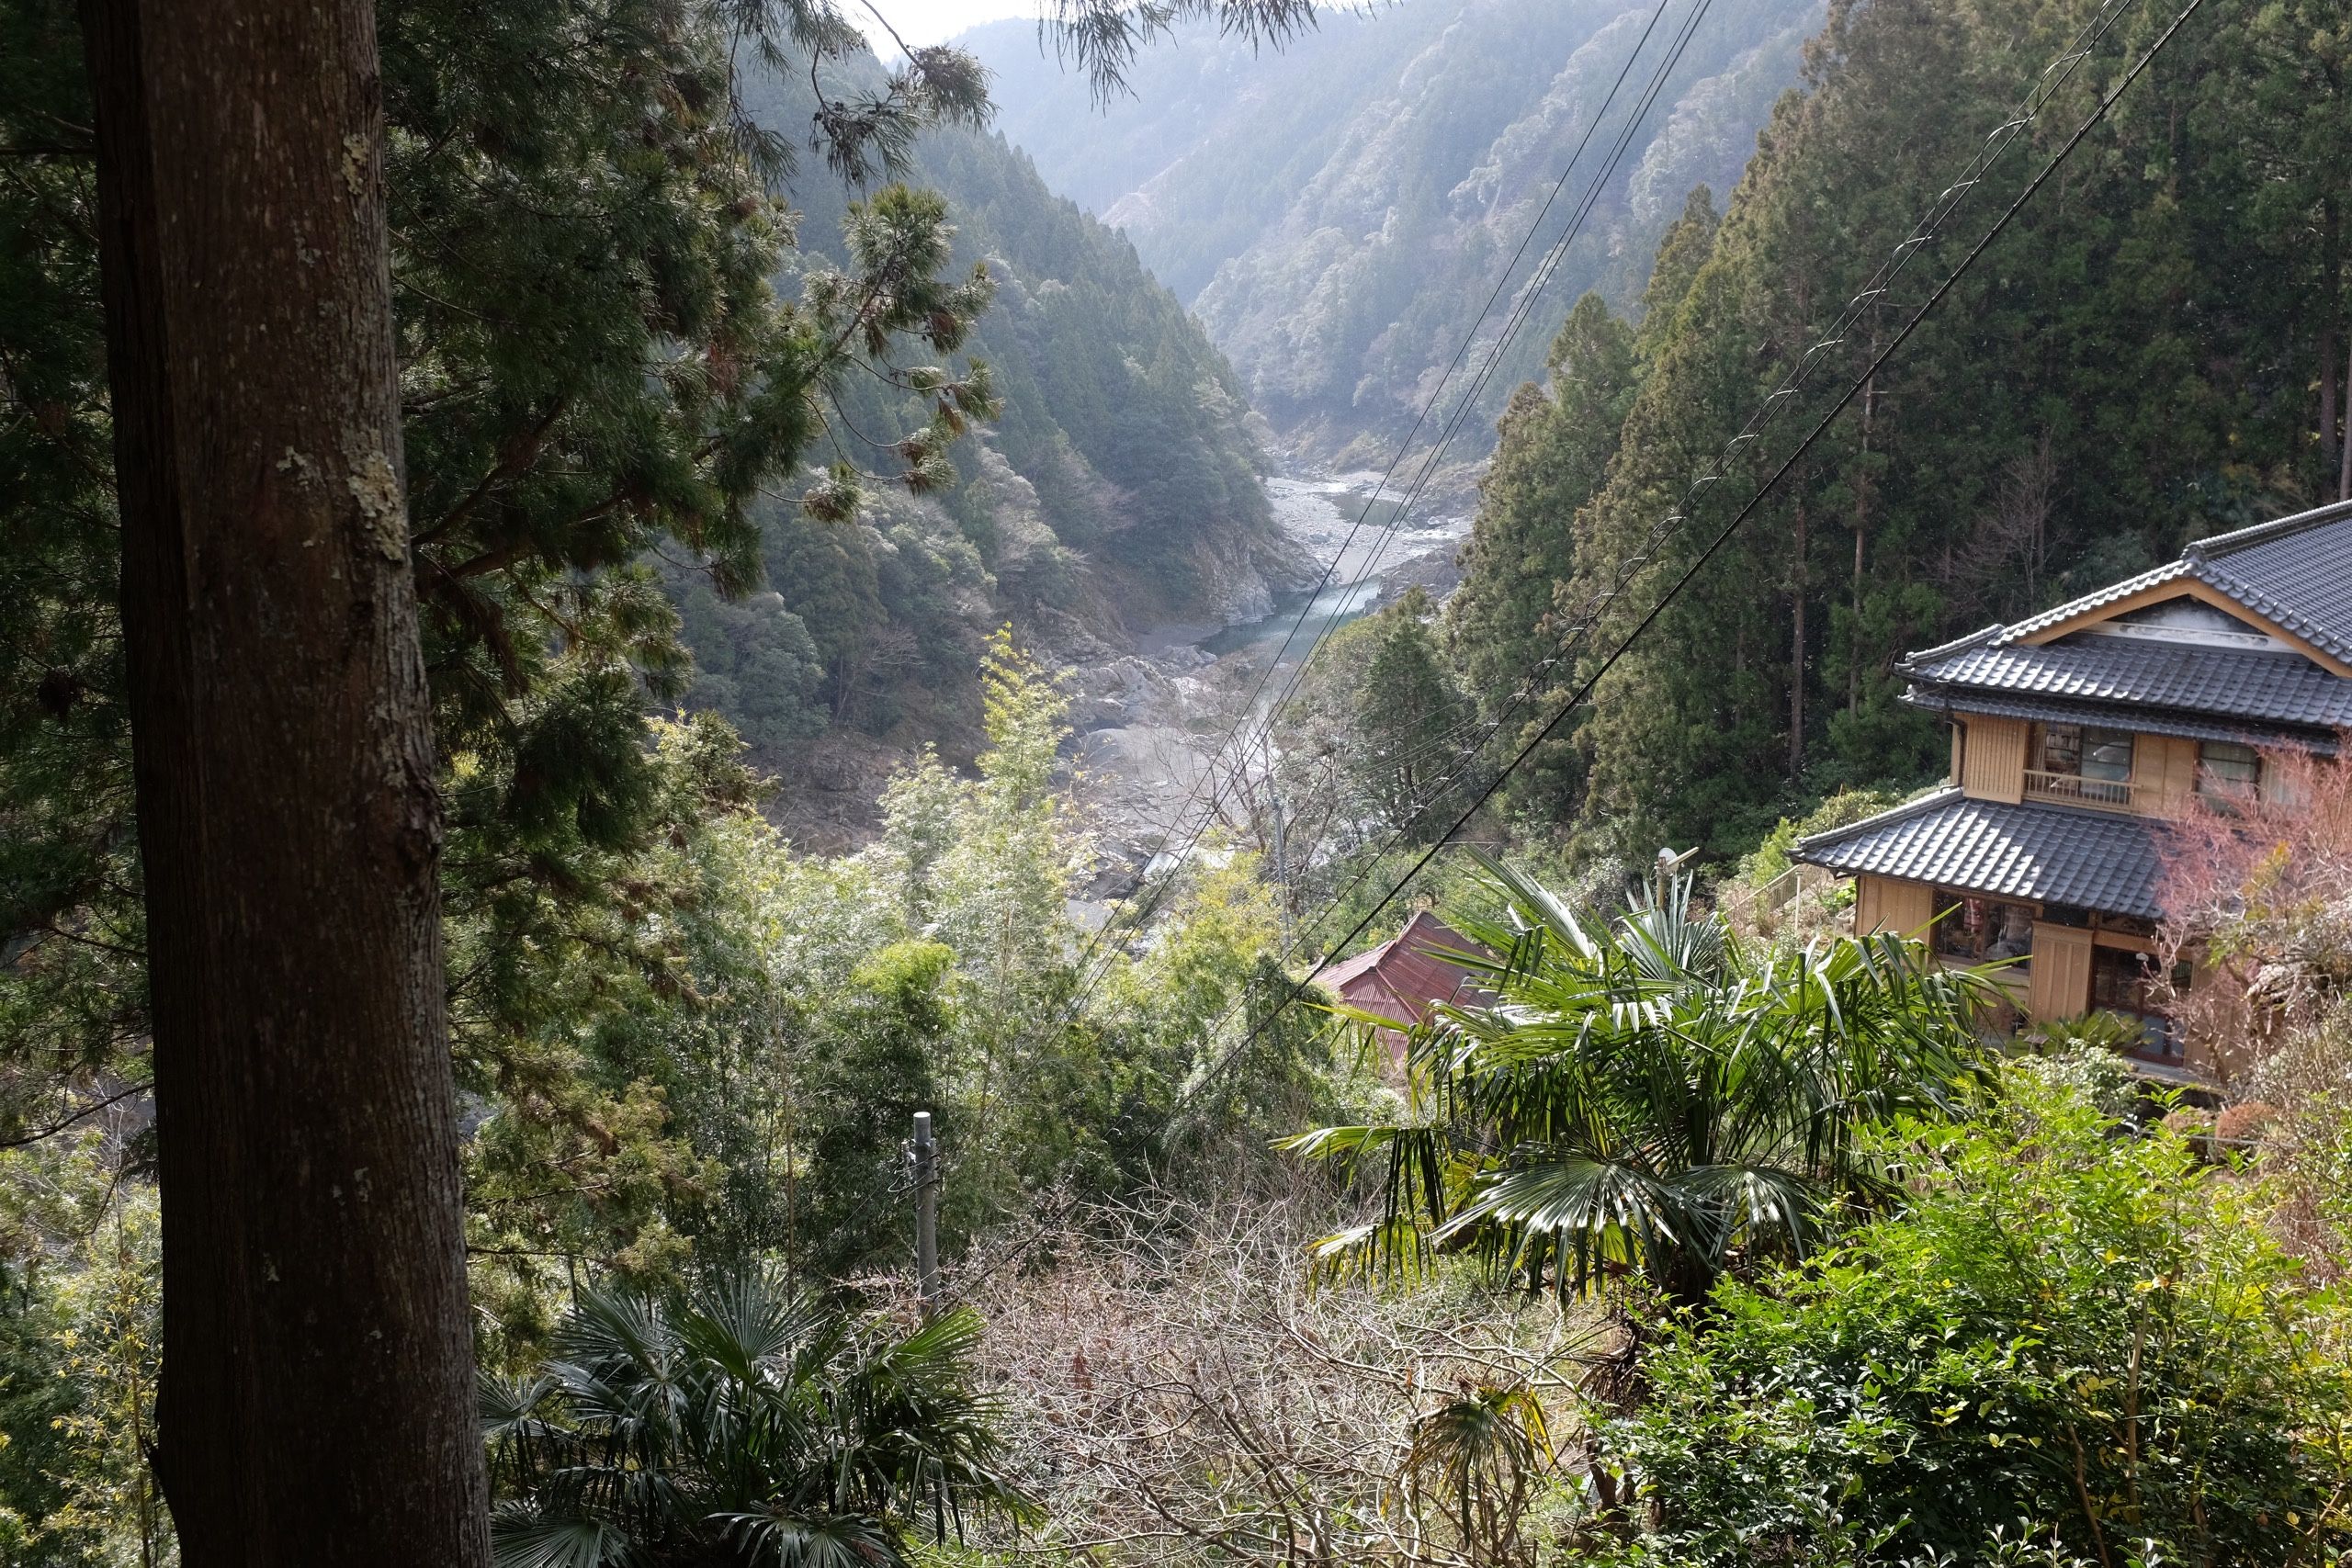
1776, 853
2085, 1054
2086, 1338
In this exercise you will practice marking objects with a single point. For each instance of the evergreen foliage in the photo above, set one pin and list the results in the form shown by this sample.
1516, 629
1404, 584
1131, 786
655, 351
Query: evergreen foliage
2083, 1342
614, 353
1558, 442
2149, 354
1375, 745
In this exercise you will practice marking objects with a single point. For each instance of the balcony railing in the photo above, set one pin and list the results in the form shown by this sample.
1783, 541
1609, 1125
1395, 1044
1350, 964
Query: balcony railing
2073, 789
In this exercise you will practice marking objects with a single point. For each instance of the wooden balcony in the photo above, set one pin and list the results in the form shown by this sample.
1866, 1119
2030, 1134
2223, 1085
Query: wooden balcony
2073, 789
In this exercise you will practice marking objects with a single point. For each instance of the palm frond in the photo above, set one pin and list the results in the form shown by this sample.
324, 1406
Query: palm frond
1648, 1093
832, 1541
520, 1538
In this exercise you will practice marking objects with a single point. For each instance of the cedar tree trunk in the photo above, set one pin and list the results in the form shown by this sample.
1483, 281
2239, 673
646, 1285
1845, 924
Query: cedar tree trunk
317, 1404
1796, 652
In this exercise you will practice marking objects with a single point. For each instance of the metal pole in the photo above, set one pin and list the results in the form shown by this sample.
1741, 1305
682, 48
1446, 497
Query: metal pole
926, 1213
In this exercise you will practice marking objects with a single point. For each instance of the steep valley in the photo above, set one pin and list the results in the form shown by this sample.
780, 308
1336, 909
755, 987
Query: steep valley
1201, 371
1337, 211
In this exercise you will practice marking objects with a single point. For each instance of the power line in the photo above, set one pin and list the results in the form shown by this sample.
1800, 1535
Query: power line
1243, 716
2036, 100
2053, 79
1463, 406
1724, 534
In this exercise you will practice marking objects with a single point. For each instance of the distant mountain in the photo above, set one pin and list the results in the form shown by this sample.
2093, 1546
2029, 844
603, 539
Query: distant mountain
1121, 487
1337, 211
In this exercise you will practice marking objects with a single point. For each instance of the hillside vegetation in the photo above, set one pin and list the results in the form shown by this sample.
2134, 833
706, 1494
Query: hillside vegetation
1337, 213
442, 1096
2151, 352
1118, 486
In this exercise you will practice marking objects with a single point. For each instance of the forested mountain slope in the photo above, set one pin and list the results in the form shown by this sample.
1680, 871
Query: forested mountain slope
1118, 487
2151, 352
1337, 212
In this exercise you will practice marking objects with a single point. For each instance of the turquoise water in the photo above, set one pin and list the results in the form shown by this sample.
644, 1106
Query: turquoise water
1331, 608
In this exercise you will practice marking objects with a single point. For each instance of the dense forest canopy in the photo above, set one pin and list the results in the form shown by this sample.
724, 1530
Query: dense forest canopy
2154, 351
763, 401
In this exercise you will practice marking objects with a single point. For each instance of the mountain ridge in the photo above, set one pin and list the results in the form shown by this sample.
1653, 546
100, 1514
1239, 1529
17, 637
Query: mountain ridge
1336, 211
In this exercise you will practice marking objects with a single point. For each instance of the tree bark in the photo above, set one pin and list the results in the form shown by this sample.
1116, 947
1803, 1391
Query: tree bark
317, 1394
2332, 280
2344, 457
1861, 531
1797, 653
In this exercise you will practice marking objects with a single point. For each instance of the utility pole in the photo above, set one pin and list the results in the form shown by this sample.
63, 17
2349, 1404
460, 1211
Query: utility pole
1281, 867
926, 1214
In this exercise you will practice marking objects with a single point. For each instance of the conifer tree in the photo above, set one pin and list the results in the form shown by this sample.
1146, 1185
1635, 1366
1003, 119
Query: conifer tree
427, 325
276, 685
2138, 362
1556, 443
1413, 724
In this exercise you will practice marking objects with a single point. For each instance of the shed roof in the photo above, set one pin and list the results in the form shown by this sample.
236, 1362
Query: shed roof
1411, 966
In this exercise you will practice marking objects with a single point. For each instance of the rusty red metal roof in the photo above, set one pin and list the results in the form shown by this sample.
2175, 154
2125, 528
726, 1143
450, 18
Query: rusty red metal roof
1404, 975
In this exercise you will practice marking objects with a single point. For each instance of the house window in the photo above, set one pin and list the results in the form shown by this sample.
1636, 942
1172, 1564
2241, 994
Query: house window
1972, 930
2228, 772
2081, 762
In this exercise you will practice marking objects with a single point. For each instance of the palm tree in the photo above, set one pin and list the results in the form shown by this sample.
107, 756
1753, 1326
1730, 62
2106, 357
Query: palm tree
1650, 1094
1479, 1455
738, 1427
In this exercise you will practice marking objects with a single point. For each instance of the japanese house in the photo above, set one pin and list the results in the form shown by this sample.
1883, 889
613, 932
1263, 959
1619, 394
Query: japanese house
2077, 733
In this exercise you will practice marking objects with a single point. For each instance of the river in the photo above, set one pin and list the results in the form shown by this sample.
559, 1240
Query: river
1344, 524
1142, 766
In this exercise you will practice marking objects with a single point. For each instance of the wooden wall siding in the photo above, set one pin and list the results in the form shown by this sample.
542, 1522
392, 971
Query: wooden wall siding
1992, 759
1889, 904
2166, 764
2061, 983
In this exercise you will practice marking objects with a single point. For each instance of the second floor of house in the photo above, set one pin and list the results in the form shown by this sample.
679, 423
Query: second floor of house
2177, 686
2104, 767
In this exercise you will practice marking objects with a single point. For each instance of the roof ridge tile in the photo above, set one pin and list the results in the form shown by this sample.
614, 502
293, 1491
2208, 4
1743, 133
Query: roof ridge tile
1928, 802
2263, 532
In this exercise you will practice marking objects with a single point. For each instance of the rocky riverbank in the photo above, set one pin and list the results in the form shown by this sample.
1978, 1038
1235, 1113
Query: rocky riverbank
1148, 723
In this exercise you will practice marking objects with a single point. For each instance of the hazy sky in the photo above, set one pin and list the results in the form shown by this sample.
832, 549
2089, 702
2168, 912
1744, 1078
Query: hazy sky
931, 21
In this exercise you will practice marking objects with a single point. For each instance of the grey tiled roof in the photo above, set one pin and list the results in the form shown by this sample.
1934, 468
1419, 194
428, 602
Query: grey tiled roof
2056, 854
2248, 683
2295, 572
2116, 715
